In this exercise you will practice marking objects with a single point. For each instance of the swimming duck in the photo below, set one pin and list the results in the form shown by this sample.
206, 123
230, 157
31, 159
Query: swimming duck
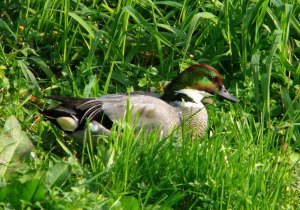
180, 103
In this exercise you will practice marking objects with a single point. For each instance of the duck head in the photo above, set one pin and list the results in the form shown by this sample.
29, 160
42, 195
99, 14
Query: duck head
195, 83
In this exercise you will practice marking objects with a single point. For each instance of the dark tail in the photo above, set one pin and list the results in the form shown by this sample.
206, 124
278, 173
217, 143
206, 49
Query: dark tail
69, 101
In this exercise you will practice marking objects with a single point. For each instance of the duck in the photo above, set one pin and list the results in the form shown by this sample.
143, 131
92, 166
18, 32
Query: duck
180, 103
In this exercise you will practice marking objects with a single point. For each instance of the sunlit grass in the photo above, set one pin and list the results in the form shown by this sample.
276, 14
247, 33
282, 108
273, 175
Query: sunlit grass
247, 160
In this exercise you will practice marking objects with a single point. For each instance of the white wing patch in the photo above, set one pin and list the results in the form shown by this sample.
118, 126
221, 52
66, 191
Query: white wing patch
68, 123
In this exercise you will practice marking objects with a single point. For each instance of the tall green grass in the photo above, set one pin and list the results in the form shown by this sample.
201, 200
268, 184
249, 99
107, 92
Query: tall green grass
247, 159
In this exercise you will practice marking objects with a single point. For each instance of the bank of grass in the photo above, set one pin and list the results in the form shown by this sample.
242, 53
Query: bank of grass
239, 164
248, 158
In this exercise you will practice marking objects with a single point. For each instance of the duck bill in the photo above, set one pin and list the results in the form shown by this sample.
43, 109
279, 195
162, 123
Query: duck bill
226, 95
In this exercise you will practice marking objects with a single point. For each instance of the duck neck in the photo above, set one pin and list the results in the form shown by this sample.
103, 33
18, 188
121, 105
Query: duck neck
188, 98
187, 105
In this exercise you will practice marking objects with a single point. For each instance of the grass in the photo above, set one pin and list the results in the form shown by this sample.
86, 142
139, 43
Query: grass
249, 158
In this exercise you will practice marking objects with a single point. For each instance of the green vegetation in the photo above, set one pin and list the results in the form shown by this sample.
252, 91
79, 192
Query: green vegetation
249, 158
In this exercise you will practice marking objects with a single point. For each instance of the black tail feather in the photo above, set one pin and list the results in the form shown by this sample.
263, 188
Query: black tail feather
69, 101
82, 108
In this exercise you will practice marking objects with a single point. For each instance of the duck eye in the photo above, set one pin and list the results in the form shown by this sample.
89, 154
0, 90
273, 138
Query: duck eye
212, 78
